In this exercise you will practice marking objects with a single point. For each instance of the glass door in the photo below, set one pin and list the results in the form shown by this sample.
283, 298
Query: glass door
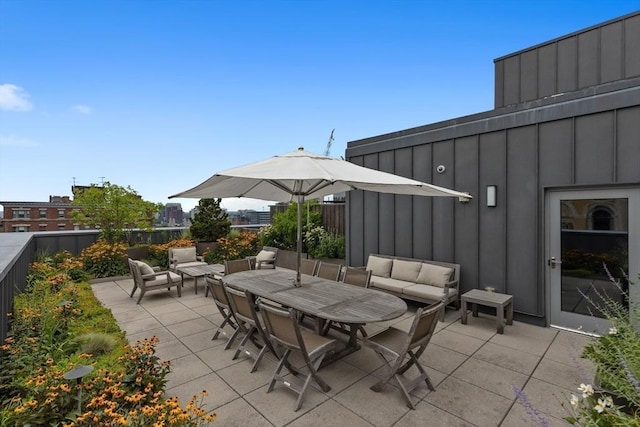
592, 243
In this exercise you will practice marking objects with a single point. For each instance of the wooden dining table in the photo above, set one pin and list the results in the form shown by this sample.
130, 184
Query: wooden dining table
326, 300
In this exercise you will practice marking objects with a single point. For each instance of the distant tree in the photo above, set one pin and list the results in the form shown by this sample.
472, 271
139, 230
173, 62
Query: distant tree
115, 210
210, 221
283, 231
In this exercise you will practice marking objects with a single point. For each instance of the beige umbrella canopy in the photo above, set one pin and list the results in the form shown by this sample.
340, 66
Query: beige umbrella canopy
299, 175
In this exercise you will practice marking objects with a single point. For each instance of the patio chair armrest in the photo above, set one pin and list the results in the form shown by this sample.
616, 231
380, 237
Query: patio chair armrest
151, 276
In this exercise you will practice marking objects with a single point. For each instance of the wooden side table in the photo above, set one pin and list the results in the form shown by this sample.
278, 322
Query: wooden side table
500, 302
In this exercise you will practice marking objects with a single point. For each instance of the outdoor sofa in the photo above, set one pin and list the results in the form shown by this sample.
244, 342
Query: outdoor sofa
415, 279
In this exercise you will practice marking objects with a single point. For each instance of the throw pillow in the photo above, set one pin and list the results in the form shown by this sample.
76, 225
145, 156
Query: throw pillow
434, 275
145, 268
379, 266
264, 256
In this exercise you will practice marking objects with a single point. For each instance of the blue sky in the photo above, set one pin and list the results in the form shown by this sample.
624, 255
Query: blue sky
160, 95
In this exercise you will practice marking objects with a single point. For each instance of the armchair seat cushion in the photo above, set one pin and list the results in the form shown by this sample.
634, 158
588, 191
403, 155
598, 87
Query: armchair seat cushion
161, 279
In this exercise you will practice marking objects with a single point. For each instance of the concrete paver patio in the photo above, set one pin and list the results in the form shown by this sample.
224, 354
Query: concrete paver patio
473, 369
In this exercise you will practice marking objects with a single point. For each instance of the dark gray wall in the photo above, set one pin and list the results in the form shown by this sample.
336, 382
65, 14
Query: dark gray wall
576, 141
601, 54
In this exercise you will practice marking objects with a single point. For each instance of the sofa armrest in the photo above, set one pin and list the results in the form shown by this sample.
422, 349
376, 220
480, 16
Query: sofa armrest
154, 275
200, 258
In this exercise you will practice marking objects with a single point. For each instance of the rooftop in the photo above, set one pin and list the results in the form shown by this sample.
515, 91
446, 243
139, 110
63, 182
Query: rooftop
473, 368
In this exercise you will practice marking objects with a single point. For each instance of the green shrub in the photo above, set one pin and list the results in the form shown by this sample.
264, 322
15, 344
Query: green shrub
614, 398
283, 231
96, 343
322, 244
237, 245
103, 259
159, 254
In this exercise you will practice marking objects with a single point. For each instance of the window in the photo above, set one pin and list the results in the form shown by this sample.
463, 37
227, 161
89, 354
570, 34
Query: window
43, 213
601, 219
21, 213
20, 228
61, 227
42, 227
60, 213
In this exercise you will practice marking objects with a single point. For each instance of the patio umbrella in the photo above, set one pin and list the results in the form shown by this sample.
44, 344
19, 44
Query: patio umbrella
299, 175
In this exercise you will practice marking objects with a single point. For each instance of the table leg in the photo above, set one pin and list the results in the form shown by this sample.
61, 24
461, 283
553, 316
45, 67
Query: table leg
463, 320
474, 309
500, 316
510, 313
195, 283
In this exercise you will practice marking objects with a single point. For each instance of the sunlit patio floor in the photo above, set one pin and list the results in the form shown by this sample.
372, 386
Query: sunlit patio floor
476, 371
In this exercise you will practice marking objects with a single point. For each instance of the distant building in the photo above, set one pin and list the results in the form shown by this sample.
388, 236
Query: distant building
53, 215
172, 215
249, 217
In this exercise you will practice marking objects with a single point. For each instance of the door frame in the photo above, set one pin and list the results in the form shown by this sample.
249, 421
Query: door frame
552, 197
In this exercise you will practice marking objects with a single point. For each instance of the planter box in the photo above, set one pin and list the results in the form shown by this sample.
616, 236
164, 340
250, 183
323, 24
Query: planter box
138, 252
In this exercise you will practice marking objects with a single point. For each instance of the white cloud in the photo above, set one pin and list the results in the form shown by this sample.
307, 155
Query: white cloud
82, 109
14, 98
16, 141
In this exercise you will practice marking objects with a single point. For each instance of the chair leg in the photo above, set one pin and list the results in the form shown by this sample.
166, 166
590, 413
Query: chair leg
179, 291
246, 337
232, 338
142, 291
276, 373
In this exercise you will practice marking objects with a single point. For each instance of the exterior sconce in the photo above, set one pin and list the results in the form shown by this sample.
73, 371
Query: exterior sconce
492, 194
463, 199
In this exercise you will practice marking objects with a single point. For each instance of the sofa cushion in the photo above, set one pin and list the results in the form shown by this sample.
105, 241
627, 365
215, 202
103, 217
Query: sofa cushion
265, 256
182, 255
389, 284
429, 292
144, 268
434, 275
405, 270
379, 266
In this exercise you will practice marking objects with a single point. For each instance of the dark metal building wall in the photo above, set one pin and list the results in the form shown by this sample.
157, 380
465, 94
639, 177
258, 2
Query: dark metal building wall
499, 246
601, 54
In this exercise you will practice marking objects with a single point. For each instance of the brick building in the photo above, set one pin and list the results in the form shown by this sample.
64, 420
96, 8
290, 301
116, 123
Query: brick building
53, 215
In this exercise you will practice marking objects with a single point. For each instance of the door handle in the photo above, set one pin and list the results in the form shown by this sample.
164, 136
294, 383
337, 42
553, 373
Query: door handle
552, 262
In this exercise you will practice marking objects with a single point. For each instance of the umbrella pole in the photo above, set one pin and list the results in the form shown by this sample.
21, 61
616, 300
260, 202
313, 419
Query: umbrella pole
299, 246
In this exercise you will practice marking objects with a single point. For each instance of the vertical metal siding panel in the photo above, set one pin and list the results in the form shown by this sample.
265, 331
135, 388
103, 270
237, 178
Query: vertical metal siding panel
588, 58
567, 65
522, 221
422, 218
555, 153
594, 149
443, 213
466, 214
627, 145
611, 65
492, 220
632, 47
403, 206
355, 223
371, 214
547, 69
512, 80
386, 207
499, 84
529, 75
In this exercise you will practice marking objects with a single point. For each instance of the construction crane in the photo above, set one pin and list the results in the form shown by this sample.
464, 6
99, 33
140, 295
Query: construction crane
328, 149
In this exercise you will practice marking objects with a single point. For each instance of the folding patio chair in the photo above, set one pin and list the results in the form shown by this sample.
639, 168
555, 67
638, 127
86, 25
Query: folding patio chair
357, 277
393, 345
308, 266
244, 311
237, 265
285, 331
220, 299
329, 271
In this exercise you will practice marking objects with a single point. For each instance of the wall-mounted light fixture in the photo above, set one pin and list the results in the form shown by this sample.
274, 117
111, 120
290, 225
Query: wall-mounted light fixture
492, 194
